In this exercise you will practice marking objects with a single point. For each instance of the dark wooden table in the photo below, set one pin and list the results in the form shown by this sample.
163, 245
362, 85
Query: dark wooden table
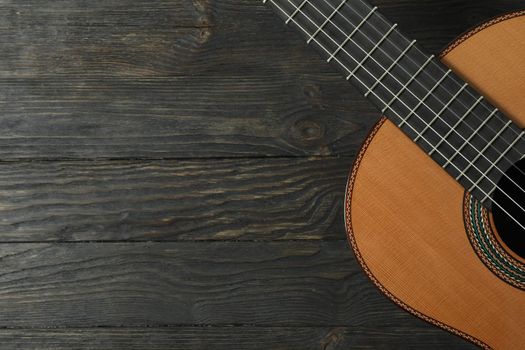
172, 175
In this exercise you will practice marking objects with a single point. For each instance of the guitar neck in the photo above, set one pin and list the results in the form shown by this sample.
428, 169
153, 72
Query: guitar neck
471, 139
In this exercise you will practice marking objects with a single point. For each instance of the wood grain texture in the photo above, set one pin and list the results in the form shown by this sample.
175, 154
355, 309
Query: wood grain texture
406, 219
224, 338
182, 79
250, 199
188, 283
179, 117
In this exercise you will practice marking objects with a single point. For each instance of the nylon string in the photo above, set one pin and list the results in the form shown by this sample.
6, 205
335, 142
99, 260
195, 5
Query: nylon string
298, 10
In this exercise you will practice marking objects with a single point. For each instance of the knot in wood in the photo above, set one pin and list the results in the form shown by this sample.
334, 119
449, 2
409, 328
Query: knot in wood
308, 130
204, 35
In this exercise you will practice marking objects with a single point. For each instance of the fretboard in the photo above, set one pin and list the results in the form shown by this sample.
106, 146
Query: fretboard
466, 135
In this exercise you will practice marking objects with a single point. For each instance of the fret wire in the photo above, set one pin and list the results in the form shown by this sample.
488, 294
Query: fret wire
472, 136
354, 71
462, 174
459, 122
349, 36
417, 48
321, 46
425, 97
463, 156
404, 87
397, 95
445, 107
471, 164
471, 94
372, 11
295, 12
328, 19
315, 40
469, 126
337, 60
386, 72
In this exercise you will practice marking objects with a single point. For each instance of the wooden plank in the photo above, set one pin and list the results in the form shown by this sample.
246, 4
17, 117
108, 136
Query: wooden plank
246, 45
33, 15
246, 338
179, 79
180, 117
258, 199
175, 37
206, 283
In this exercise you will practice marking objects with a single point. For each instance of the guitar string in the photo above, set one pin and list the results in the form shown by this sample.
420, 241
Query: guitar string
320, 29
422, 102
342, 65
521, 134
457, 82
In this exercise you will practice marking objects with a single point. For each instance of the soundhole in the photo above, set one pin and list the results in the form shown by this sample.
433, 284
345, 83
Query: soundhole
512, 185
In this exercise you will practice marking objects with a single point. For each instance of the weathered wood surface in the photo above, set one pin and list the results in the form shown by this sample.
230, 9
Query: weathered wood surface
155, 284
279, 284
244, 199
126, 122
226, 338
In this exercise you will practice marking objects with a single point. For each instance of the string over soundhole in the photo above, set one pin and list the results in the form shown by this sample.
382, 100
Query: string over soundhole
510, 196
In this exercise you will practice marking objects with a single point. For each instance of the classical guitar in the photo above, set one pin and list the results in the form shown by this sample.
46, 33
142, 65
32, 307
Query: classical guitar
435, 209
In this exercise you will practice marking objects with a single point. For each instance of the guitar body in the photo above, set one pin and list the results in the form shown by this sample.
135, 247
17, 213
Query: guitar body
419, 237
